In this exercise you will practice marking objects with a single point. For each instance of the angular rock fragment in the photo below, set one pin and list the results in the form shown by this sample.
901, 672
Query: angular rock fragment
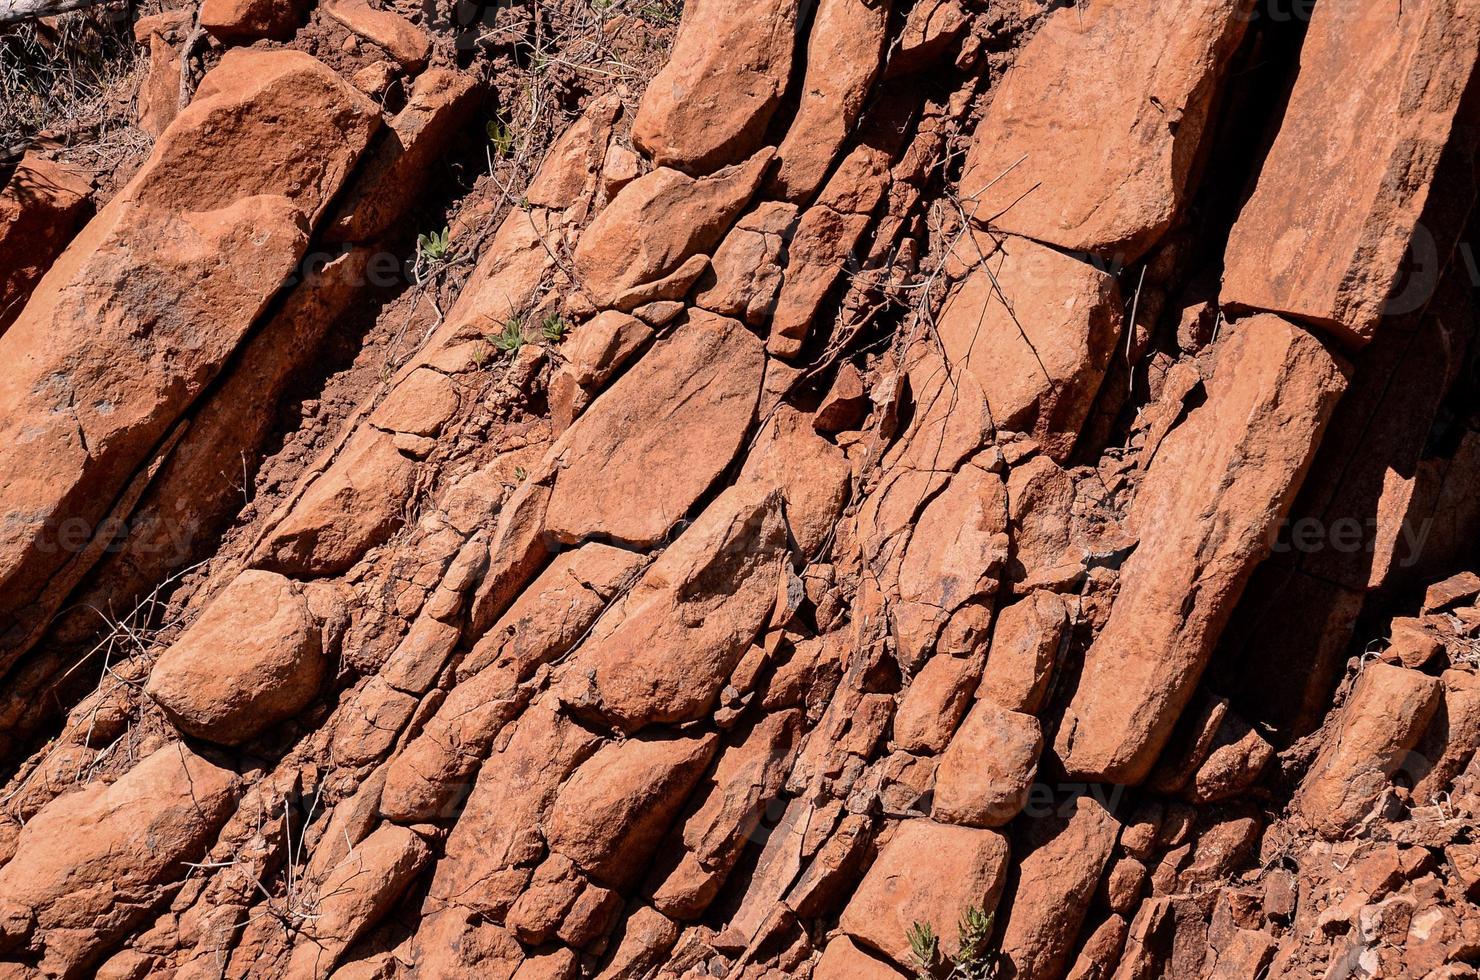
987, 771
611, 814
1059, 863
1025, 647
1037, 329
189, 254
811, 473
656, 440
928, 872
1373, 107
664, 652
245, 20
709, 105
1382, 721
844, 53
400, 38
935, 703
1205, 512
655, 225
40, 207
90, 865
746, 269
355, 895
251, 660
1092, 140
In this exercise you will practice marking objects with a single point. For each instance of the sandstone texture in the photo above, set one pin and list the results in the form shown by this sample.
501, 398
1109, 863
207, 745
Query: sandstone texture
853, 490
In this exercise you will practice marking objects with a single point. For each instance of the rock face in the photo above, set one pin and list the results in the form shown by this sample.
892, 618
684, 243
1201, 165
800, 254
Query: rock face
1333, 257
90, 864
710, 104
1092, 141
771, 532
78, 425
261, 627
1215, 492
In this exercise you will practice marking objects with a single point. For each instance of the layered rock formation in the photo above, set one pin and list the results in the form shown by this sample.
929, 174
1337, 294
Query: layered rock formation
875, 499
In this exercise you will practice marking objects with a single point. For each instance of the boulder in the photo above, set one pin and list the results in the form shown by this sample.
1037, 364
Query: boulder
188, 254
845, 51
253, 658
1037, 329
1092, 139
987, 771
928, 873
1329, 248
612, 813
1059, 859
656, 224
664, 652
709, 105
812, 474
1217, 488
92, 863
40, 208
934, 703
658, 438
1380, 724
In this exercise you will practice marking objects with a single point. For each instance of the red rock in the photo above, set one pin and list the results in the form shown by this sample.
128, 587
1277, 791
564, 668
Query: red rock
612, 813
844, 54
826, 236
987, 771
935, 703
439, 105
400, 38
1205, 515
244, 20
1329, 249
846, 404
657, 223
1382, 721
354, 897
40, 208
1452, 737
745, 781
955, 554
90, 866
251, 660
644, 452
844, 960
1025, 647
710, 103
195, 247
929, 32
1101, 951
603, 345
929, 873
1091, 140
645, 940
664, 652
811, 473
1059, 865
1037, 329
746, 270
1454, 591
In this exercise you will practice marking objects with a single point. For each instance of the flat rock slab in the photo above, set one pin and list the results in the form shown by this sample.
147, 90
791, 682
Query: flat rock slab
1323, 237
1092, 138
1217, 487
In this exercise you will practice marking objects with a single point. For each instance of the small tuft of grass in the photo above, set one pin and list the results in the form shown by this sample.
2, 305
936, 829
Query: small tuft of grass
501, 137
973, 960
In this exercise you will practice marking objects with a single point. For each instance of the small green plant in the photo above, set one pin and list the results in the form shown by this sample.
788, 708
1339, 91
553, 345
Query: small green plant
521, 474
501, 137
511, 337
553, 327
973, 959
431, 251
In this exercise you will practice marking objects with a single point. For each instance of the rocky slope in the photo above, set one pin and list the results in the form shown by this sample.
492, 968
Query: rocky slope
560, 491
